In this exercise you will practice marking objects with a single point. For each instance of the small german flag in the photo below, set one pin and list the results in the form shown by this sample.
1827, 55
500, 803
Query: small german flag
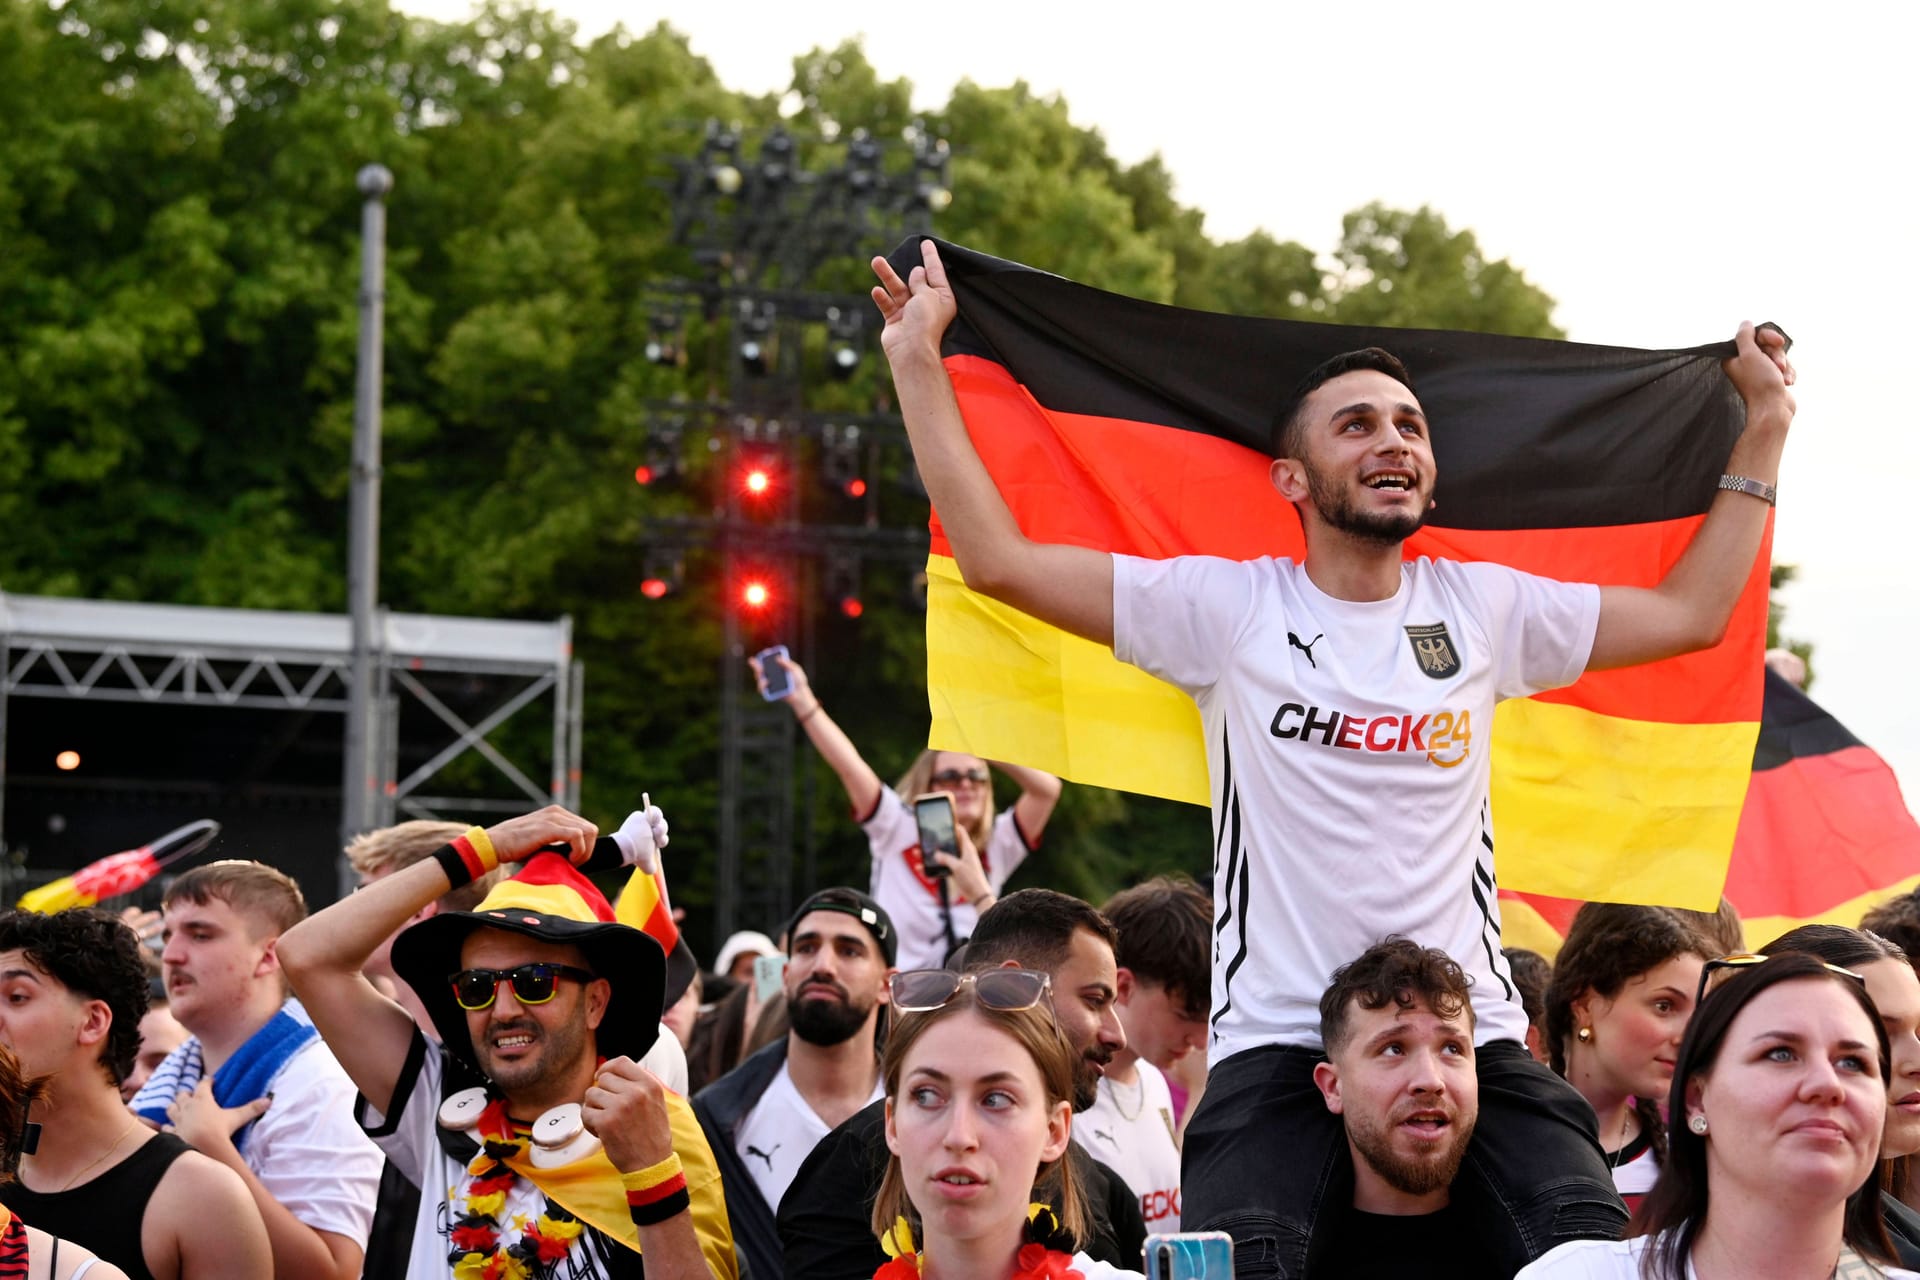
1127, 426
1825, 833
120, 873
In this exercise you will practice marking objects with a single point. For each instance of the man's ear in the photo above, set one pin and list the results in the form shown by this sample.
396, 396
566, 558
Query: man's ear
1289, 477
599, 992
95, 1024
269, 959
1327, 1077
886, 986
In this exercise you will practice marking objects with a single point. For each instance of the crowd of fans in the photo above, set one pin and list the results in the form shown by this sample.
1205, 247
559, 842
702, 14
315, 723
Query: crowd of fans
365, 1093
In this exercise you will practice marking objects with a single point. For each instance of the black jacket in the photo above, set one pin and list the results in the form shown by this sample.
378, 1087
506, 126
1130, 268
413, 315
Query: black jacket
720, 1107
826, 1230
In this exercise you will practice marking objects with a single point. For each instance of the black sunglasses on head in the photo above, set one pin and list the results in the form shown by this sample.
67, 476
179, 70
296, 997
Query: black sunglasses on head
1747, 959
476, 989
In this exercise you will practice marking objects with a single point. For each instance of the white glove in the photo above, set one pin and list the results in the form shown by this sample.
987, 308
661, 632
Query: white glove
643, 835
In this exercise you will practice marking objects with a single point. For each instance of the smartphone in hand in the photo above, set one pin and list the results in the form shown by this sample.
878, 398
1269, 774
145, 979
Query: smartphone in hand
769, 972
933, 814
779, 679
1190, 1255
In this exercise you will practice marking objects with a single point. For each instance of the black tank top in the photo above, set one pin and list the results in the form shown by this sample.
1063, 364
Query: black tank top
78, 1213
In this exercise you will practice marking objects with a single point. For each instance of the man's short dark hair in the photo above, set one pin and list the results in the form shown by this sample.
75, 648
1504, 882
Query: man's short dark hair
1034, 928
1898, 921
96, 956
1165, 929
1531, 975
1396, 971
1287, 437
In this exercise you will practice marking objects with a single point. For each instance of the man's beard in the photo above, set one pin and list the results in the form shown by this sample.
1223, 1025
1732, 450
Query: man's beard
1413, 1176
826, 1022
1336, 508
1087, 1073
556, 1048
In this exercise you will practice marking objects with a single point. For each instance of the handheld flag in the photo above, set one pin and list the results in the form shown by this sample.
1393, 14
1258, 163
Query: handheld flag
122, 872
1127, 426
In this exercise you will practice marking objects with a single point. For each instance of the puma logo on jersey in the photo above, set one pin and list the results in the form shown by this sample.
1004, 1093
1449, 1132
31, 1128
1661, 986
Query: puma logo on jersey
1102, 1133
1443, 736
1306, 648
764, 1155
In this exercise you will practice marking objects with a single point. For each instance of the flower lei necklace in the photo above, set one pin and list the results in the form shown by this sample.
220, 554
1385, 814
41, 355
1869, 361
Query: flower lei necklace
479, 1249
1034, 1261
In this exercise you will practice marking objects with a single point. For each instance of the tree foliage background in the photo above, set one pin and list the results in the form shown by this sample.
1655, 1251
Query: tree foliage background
178, 264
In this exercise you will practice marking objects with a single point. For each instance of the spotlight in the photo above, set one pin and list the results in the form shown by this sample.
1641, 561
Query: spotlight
661, 576
67, 761
843, 584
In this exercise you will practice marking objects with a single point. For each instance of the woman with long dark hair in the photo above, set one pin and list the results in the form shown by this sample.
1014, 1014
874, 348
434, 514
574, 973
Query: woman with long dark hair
1779, 1097
1895, 992
979, 1082
1622, 990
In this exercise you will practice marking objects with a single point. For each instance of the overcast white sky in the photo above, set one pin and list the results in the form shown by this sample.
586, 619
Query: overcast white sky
1664, 171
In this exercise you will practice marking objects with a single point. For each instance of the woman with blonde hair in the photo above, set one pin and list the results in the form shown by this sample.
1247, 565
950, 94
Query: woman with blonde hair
979, 1083
932, 912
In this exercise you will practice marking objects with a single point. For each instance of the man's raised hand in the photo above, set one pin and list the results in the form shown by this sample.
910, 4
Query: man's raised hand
917, 310
1760, 370
518, 839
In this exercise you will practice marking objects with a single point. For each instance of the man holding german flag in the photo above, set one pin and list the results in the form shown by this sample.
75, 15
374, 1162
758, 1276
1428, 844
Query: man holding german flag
1346, 701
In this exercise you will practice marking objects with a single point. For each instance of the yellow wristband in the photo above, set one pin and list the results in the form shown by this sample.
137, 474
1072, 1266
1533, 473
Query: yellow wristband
477, 837
653, 1175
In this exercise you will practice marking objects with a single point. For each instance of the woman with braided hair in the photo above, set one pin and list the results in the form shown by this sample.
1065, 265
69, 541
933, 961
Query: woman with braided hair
1622, 991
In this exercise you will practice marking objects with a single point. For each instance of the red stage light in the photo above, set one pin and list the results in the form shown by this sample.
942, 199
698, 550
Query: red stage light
856, 488
755, 594
758, 481
653, 588
643, 474
851, 606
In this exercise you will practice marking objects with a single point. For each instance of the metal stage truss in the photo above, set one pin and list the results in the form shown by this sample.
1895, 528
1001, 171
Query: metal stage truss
182, 655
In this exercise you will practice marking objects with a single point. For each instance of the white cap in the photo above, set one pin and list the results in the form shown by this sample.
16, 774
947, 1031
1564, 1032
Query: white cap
746, 942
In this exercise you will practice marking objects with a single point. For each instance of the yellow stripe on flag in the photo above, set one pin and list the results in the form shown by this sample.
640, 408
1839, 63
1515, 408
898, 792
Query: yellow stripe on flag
1601, 808
1586, 806
1004, 686
1521, 926
1764, 929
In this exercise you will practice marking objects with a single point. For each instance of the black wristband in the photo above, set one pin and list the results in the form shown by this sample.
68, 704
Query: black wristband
648, 1215
454, 865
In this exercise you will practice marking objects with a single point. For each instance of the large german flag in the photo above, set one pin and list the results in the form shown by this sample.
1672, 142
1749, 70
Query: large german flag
1825, 833
1133, 427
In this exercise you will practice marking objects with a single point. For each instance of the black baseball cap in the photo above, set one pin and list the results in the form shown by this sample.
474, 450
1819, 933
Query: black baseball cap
852, 902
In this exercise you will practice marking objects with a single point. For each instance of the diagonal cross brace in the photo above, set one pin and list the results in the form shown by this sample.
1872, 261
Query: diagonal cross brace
472, 736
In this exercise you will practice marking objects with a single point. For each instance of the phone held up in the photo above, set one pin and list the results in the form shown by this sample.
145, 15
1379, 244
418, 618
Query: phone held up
779, 680
1190, 1255
769, 972
933, 814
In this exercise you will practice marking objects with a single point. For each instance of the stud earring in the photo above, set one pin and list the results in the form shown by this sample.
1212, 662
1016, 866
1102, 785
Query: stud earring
1584, 1035
1697, 1123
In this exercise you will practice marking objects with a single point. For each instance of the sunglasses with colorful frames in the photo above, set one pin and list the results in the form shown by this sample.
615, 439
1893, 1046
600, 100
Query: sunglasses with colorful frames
476, 989
1746, 960
923, 990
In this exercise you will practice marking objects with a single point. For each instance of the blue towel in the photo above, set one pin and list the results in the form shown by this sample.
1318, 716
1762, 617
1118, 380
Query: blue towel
240, 1079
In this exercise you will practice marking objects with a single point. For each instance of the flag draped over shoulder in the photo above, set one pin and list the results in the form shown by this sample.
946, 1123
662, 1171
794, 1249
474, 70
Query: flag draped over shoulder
1128, 426
1825, 833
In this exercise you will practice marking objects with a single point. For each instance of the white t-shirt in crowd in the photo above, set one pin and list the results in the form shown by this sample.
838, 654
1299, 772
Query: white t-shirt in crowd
1619, 1260
1347, 747
1130, 1128
773, 1138
309, 1153
911, 897
1634, 1170
668, 1061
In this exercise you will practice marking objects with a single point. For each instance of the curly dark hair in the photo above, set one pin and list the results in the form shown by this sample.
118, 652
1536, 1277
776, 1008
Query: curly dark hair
97, 957
1395, 970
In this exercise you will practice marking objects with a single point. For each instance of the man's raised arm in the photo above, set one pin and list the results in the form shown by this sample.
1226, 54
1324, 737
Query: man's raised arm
1691, 607
323, 954
1067, 586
